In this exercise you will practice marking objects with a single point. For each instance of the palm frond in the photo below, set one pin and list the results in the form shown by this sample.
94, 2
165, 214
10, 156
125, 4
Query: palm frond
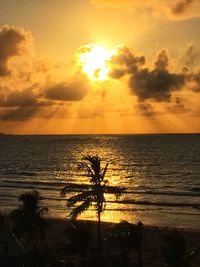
77, 198
104, 172
95, 165
74, 188
83, 166
30, 200
117, 191
81, 208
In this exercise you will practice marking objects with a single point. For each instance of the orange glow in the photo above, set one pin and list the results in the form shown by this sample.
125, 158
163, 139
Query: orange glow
94, 61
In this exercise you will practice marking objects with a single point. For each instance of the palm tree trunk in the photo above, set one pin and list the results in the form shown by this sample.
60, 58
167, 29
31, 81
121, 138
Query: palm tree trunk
99, 232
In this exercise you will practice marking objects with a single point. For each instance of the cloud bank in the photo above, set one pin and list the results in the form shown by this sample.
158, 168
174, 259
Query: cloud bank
29, 88
35, 91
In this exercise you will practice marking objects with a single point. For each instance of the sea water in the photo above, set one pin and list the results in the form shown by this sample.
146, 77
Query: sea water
161, 174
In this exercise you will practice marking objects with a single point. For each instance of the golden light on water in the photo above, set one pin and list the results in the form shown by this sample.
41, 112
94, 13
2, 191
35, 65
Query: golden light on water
94, 61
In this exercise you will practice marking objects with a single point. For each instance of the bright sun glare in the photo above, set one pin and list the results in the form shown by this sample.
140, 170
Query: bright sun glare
94, 61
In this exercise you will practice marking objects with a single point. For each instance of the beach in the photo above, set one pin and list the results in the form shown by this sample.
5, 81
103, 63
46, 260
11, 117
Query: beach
152, 244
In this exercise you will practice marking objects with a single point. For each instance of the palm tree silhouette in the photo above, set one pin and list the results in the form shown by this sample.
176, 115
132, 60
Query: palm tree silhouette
28, 218
92, 193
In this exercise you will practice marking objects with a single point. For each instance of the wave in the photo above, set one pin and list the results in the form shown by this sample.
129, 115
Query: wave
158, 204
20, 173
151, 203
36, 183
141, 205
25, 186
57, 185
141, 209
195, 193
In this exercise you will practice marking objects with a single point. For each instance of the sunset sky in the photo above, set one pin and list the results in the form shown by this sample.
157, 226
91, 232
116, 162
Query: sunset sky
97, 66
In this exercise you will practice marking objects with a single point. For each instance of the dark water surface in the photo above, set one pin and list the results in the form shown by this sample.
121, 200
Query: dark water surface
161, 172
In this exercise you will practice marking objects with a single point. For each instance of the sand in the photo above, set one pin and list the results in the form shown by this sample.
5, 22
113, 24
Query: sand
151, 247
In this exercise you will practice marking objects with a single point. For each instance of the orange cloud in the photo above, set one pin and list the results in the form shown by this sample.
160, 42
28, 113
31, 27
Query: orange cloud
181, 6
13, 42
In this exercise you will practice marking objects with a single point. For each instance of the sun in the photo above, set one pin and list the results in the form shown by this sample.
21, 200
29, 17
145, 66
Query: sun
94, 61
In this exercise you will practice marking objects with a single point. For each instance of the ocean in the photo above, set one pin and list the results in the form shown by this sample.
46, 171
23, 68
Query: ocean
160, 171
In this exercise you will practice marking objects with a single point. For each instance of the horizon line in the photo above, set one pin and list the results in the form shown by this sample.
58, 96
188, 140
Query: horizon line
61, 134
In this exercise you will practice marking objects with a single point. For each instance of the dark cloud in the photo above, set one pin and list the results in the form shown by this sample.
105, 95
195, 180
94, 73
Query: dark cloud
12, 43
156, 84
22, 105
38, 101
181, 6
72, 91
24, 98
125, 62
145, 109
18, 113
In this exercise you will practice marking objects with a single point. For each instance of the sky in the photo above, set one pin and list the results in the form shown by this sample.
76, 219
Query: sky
99, 66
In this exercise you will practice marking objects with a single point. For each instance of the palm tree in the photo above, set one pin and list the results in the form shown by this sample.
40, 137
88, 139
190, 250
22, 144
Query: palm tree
28, 218
92, 193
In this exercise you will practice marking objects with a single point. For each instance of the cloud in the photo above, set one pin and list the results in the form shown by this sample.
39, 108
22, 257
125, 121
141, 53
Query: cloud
18, 113
13, 42
33, 87
21, 104
190, 56
178, 107
194, 82
74, 90
181, 6
126, 62
156, 84
162, 61
36, 101
24, 98
145, 109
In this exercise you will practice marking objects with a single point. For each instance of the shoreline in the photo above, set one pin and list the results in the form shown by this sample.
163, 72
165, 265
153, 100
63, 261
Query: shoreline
60, 224
147, 226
